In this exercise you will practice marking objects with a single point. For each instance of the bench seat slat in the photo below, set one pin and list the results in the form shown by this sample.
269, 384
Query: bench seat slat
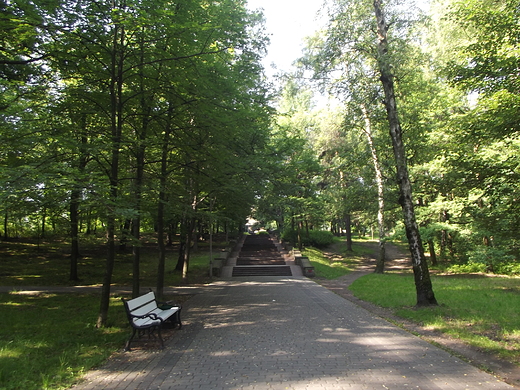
141, 300
165, 314
141, 311
145, 322
162, 314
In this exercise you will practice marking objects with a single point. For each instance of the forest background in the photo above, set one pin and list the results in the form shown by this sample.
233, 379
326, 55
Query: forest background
133, 119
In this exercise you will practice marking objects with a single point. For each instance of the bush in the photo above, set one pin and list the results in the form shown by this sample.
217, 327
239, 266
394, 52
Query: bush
492, 258
315, 238
468, 268
488, 259
320, 238
512, 268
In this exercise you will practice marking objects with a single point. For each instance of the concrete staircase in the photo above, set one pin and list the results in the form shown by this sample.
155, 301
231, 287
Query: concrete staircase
260, 255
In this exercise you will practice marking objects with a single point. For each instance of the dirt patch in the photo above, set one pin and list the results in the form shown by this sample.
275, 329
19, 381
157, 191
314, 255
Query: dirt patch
399, 261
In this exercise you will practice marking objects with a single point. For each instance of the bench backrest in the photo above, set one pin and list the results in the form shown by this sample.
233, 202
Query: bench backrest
142, 305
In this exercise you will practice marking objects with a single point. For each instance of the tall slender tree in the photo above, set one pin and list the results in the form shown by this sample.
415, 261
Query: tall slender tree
358, 39
423, 285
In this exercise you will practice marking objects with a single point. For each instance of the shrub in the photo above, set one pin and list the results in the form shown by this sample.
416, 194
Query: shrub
512, 268
315, 238
492, 258
488, 259
321, 238
467, 268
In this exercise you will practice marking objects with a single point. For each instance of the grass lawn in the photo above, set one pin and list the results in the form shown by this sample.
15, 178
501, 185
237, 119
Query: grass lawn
481, 310
336, 261
33, 263
47, 341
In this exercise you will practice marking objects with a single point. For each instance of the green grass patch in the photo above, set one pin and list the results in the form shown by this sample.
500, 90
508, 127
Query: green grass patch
323, 266
478, 309
27, 263
47, 340
336, 261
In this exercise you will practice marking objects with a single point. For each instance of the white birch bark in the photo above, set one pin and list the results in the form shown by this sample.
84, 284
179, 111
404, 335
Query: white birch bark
425, 295
380, 266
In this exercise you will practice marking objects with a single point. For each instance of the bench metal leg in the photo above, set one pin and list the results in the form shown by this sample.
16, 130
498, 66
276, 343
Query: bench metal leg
127, 345
150, 331
177, 319
160, 337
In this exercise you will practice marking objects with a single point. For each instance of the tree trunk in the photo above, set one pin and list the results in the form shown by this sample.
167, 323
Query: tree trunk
381, 259
196, 236
74, 232
161, 265
116, 119
226, 229
75, 197
433, 255
182, 243
136, 256
348, 231
6, 224
140, 161
299, 235
44, 219
423, 285
125, 233
180, 258
187, 248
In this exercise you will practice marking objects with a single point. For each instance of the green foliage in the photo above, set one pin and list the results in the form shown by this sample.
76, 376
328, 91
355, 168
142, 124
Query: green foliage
177, 94
487, 259
480, 310
491, 257
314, 238
320, 238
467, 268
470, 181
489, 61
188, 83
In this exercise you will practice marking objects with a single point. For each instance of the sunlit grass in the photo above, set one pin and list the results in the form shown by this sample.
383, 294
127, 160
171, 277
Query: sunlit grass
477, 309
323, 267
337, 263
47, 341
482, 310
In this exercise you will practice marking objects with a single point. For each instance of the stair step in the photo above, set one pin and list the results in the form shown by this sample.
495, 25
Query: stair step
262, 271
250, 261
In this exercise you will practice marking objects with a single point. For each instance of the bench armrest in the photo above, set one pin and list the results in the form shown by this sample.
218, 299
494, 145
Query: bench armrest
168, 304
153, 316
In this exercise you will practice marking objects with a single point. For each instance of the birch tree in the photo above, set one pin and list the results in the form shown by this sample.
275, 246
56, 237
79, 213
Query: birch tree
360, 37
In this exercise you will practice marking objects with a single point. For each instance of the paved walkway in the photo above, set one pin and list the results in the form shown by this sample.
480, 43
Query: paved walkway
285, 333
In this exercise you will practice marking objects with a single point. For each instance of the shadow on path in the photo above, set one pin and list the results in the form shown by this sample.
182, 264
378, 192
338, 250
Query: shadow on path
398, 260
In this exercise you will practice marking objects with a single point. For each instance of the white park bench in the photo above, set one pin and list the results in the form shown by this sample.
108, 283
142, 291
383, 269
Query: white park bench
147, 316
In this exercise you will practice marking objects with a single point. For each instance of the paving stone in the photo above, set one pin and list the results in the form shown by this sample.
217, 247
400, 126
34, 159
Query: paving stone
286, 333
